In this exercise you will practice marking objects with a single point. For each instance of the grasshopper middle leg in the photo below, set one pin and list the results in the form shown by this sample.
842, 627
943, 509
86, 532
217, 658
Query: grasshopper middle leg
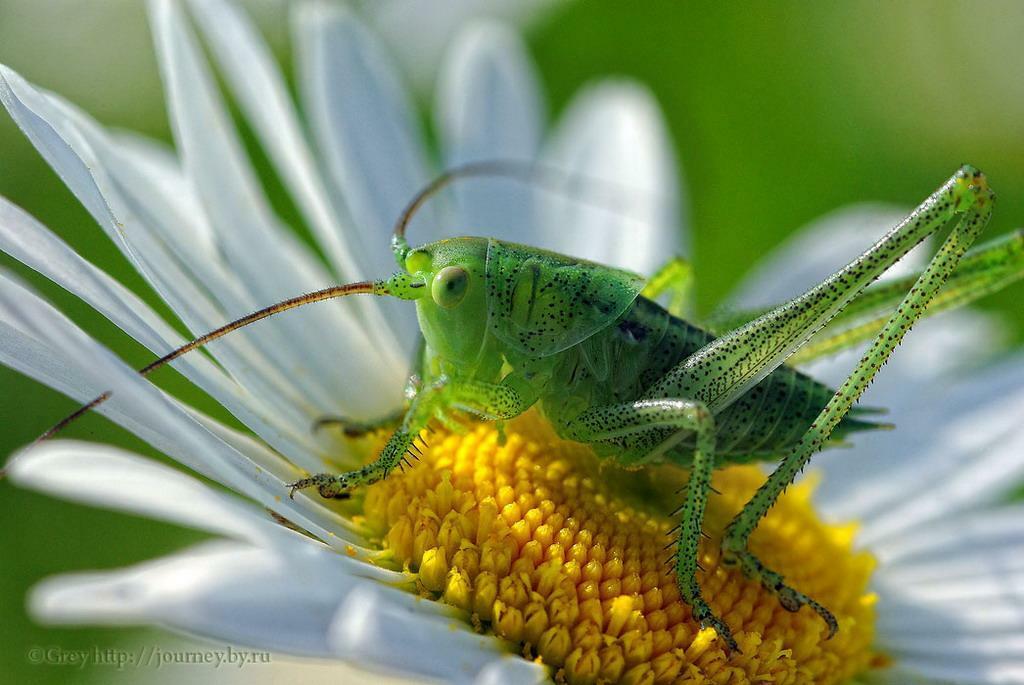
715, 376
353, 428
649, 427
357, 429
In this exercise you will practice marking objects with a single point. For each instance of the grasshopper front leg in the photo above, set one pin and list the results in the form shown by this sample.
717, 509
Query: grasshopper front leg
486, 400
647, 428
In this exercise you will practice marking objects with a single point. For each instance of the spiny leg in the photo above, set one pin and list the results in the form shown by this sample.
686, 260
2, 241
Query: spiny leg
737, 534
985, 269
675, 279
647, 428
486, 400
729, 366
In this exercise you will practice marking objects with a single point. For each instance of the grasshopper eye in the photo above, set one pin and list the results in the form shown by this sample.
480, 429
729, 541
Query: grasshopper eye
449, 286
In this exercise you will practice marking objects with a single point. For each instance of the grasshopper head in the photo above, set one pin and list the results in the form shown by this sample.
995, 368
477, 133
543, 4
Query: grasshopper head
530, 301
453, 310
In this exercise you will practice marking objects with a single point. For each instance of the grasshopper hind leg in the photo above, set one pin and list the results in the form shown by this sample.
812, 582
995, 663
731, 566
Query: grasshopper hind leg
973, 201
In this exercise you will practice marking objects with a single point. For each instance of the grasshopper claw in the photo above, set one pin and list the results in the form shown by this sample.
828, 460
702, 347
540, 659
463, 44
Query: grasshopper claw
328, 485
702, 612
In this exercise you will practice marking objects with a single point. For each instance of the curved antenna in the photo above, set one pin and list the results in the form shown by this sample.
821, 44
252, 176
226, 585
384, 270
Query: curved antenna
545, 175
371, 287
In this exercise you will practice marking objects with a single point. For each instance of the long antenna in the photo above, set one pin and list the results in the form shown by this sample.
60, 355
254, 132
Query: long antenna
371, 287
526, 171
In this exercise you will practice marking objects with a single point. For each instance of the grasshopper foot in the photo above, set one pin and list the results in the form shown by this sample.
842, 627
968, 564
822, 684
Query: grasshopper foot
707, 619
789, 598
689, 590
792, 600
397, 451
329, 486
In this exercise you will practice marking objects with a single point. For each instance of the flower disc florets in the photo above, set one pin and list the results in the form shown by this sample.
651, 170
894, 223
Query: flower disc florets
540, 543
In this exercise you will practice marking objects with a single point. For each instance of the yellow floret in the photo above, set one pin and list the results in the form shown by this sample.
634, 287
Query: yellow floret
542, 544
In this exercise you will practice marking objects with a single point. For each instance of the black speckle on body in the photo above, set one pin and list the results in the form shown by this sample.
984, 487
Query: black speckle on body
622, 363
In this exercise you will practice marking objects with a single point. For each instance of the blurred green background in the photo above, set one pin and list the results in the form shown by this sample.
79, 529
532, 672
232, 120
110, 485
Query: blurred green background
779, 112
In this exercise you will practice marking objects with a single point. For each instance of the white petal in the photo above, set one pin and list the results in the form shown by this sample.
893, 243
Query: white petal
370, 627
419, 33
256, 81
283, 471
158, 195
365, 128
66, 139
511, 669
922, 387
38, 341
23, 238
76, 148
225, 591
271, 261
303, 601
882, 468
959, 449
994, 583
826, 245
613, 134
155, 165
947, 346
18, 97
989, 538
952, 657
214, 162
109, 477
253, 75
27, 241
127, 200
262, 358
909, 617
937, 669
488, 107
951, 597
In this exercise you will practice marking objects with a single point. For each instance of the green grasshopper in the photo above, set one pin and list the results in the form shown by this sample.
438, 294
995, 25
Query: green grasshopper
507, 327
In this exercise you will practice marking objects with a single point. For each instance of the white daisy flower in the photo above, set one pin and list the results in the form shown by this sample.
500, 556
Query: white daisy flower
518, 540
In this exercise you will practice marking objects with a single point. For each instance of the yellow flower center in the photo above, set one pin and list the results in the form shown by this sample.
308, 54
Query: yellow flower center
542, 544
